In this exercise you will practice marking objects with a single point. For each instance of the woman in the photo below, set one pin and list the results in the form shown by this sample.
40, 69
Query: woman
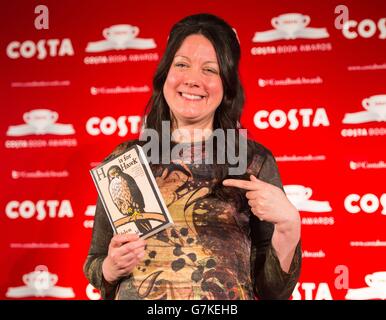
234, 237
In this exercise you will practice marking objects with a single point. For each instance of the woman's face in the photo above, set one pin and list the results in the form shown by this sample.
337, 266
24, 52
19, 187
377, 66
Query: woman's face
193, 87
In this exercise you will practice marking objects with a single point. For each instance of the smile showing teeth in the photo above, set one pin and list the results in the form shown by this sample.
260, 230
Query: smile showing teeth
191, 96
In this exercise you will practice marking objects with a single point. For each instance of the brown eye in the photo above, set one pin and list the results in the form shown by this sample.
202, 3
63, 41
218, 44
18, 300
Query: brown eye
211, 70
180, 65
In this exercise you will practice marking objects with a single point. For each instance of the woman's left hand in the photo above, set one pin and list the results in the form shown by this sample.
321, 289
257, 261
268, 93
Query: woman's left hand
267, 202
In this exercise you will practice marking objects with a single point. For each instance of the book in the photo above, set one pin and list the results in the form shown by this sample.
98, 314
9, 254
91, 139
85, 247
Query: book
130, 194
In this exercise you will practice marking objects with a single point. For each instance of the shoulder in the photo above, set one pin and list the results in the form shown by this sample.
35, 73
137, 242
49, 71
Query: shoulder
120, 149
259, 149
260, 156
264, 166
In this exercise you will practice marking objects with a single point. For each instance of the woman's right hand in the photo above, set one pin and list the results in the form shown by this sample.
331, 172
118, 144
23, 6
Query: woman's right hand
125, 252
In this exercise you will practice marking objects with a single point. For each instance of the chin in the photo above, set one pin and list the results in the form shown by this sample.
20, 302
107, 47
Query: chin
190, 120
189, 115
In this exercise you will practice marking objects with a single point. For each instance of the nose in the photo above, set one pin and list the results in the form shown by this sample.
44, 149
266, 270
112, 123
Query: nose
191, 83
192, 79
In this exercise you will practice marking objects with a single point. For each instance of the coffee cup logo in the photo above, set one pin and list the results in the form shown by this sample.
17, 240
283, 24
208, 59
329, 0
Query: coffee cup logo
40, 119
120, 34
121, 37
300, 196
291, 23
40, 283
376, 280
297, 193
376, 104
375, 110
290, 26
40, 279
376, 288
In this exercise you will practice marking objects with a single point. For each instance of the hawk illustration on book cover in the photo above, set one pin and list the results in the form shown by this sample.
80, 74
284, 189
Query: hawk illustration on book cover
127, 197
130, 195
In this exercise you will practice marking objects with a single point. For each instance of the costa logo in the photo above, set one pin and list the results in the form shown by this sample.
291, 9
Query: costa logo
109, 125
41, 210
312, 291
40, 49
293, 118
366, 28
368, 203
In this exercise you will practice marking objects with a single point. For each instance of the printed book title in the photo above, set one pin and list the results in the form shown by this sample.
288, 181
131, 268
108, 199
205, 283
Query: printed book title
125, 162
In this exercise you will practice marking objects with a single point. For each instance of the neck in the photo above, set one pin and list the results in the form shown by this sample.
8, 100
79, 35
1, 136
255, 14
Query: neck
192, 132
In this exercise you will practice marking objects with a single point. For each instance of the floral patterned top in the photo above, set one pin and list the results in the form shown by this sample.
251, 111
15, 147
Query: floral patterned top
211, 252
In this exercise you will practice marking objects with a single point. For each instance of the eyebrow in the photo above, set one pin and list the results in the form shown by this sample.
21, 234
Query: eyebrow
189, 59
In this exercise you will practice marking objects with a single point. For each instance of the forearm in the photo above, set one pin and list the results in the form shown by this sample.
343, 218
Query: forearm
271, 280
285, 238
102, 234
278, 247
94, 274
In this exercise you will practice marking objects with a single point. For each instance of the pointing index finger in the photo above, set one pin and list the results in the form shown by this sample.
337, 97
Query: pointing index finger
243, 184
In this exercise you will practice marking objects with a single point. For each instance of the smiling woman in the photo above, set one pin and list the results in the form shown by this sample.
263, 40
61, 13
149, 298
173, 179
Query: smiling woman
193, 87
235, 236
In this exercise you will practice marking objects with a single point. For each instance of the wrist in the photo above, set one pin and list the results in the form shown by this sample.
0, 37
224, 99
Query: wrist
107, 277
291, 224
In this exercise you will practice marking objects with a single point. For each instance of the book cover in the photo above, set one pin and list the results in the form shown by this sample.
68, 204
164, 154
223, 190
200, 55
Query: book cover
130, 195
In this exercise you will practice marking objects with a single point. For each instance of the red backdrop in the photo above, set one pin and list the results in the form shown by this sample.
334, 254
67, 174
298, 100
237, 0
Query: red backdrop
315, 96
